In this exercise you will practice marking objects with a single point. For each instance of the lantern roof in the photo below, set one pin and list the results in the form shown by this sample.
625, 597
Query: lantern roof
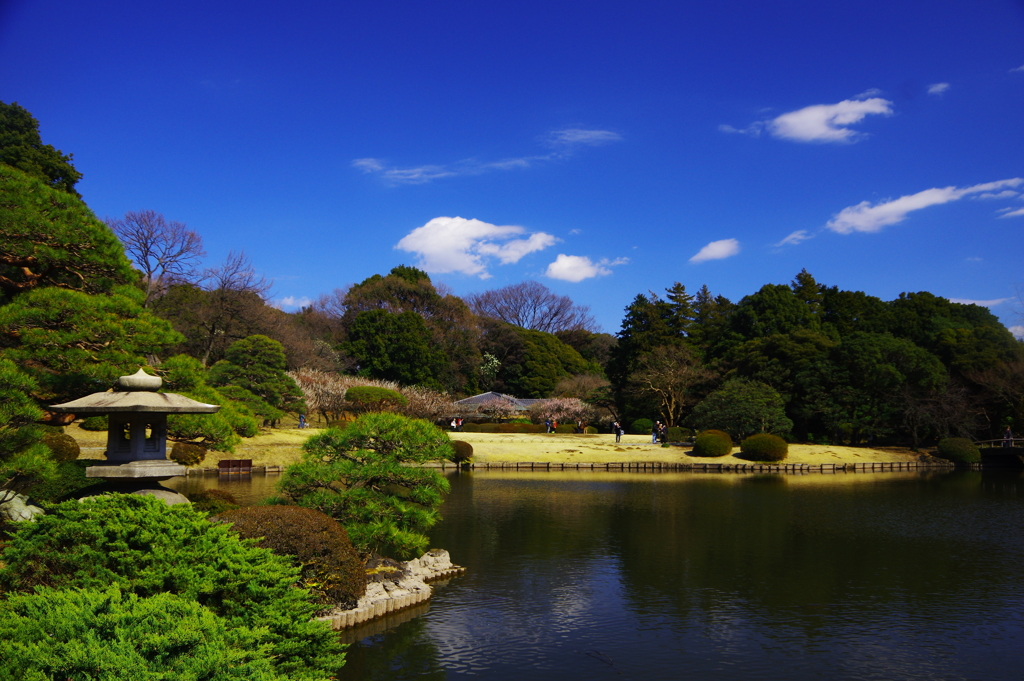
135, 393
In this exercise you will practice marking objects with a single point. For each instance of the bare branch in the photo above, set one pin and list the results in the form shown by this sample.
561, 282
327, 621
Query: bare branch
532, 305
166, 252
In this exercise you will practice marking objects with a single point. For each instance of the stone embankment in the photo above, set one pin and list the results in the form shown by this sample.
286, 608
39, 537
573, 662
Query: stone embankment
393, 588
709, 467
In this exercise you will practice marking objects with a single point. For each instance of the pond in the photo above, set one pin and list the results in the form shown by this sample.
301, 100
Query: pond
631, 576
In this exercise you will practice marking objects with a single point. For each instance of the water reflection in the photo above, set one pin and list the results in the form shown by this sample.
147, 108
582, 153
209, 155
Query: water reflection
619, 576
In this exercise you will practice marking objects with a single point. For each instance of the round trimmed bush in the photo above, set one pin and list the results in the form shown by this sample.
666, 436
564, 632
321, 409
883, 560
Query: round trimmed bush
959, 450
94, 423
372, 398
590, 430
463, 450
213, 501
641, 427
764, 447
63, 446
712, 444
187, 454
316, 543
565, 428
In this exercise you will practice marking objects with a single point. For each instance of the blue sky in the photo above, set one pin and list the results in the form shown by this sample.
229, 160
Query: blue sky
602, 148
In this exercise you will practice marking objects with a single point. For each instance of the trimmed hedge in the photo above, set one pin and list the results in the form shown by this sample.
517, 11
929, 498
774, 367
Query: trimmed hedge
764, 447
565, 428
958, 450
94, 423
64, 447
372, 397
471, 428
678, 434
641, 427
590, 430
187, 454
463, 450
712, 444
316, 543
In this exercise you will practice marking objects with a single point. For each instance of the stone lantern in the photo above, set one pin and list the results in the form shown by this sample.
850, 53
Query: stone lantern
136, 432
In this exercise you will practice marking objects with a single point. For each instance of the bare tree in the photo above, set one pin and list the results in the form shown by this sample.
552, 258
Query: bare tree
532, 305
164, 251
668, 373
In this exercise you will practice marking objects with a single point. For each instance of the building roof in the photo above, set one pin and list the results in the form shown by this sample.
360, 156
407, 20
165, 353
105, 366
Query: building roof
137, 394
520, 403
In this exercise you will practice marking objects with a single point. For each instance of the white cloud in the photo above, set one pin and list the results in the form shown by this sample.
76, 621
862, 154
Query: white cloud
795, 238
564, 143
292, 302
1005, 194
1018, 69
937, 88
865, 217
574, 232
826, 122
576, 268
1018, 330
1010, 213
983, 303
973, 259
717, 250
754, 129
459, 245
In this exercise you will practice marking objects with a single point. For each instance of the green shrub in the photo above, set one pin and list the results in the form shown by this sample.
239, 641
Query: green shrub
96, 423
69, 480
721, 433
565, 428
463, 450
371, 398
142, 546
471, 428
959, 450
764, 447
488, 428
642, 427
339, 423
590, 430
678, 434
712, 444
187, 454
213, 501
316, 543
106, 635
64, 447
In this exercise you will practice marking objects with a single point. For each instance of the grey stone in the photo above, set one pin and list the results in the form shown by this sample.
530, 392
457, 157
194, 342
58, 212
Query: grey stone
17, 508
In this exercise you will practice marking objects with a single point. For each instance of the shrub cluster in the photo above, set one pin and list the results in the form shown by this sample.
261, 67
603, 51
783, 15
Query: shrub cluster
213, 501
641, 427
463, 450
141, 546
64, 447
565, 428
764, 447
187, 454
712, 443
678, 434
515, 427
94, 423
318, 544
959, 450
471, 428
590, 430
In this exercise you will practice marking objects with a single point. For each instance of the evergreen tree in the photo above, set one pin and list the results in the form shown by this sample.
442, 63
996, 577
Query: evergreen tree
21, 147
256, 365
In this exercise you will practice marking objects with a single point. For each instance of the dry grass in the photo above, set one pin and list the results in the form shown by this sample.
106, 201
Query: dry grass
283, 446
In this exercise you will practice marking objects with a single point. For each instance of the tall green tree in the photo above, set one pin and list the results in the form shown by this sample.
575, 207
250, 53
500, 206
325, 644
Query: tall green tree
361, 477
742, 408
21, 147
51, 238
395, 347
257, 365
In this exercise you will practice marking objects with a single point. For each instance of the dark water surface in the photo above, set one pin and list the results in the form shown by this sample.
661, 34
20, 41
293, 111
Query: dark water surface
686, 576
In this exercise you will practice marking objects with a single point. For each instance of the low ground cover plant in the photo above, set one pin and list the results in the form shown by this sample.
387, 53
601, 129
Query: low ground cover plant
143, 547
187, 454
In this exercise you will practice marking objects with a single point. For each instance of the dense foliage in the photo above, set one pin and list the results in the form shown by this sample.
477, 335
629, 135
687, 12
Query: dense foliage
711, 443
141, 546
764, 447
958, 450
317, 544
187, 454
360, 476
21, 147
104, 634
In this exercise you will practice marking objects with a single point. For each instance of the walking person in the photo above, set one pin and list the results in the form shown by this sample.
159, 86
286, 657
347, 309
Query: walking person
663, 433
618, 431
1007, 437
302, 421
654, 432
547, 424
